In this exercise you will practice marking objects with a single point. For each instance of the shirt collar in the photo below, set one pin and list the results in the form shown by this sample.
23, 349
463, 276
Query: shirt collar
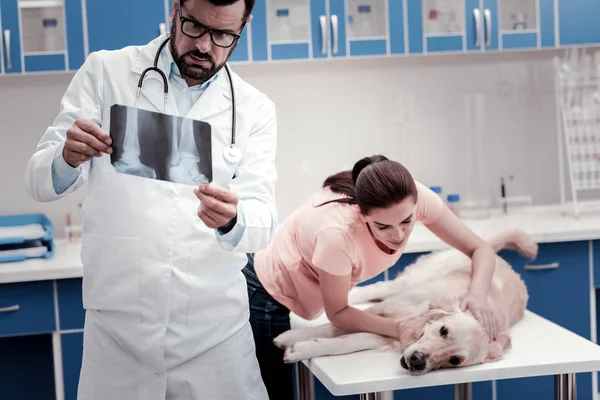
174, 72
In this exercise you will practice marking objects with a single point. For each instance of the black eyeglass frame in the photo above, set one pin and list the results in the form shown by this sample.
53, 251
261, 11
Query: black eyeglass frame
206, 29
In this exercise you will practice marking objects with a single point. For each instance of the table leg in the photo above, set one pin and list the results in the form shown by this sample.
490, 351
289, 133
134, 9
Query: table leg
463, 391
565, 387
306, 387
370, 396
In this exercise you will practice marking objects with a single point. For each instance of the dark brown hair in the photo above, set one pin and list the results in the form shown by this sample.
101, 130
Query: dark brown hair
219, 3
374, 182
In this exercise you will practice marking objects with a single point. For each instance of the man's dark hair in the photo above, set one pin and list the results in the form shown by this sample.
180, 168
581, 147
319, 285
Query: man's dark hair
222, 3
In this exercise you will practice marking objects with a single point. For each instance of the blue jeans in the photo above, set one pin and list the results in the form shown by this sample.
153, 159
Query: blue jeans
269, 319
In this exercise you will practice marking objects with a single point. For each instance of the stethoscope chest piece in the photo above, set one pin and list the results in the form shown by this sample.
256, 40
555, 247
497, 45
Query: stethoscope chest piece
232, 154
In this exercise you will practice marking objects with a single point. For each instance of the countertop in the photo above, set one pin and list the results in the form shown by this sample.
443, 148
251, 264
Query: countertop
545, 224
531, 354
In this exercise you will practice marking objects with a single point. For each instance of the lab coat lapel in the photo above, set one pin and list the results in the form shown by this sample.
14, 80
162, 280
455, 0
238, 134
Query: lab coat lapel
153, 88
215, 99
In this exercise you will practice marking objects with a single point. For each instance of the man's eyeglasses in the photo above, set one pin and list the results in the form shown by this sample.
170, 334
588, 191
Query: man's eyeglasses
195, 30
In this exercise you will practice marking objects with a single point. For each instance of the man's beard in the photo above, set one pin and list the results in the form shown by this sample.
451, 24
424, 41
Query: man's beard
187, 65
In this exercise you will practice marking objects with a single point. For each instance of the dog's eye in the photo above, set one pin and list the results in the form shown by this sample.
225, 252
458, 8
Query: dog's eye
455, 360
443, 331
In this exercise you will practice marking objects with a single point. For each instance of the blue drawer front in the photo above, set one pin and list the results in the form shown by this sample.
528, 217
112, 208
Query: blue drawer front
240, 53
290, 51
444, 43
70, 304
519, 40
396, 24
376, 47
72, 354
74, 24
45, 63
36, 313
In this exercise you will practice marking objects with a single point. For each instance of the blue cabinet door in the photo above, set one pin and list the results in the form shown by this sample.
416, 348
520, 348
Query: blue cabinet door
578, 22
11, 31
572, 276
114, 24
72, 353
75, 34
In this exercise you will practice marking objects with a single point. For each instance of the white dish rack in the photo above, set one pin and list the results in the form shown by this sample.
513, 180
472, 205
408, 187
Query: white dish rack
577, 84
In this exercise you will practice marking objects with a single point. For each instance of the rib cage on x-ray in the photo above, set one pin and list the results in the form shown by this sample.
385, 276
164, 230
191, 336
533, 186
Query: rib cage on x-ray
160, 146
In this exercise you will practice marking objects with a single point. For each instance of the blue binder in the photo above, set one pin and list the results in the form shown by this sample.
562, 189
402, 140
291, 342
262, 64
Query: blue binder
25, 236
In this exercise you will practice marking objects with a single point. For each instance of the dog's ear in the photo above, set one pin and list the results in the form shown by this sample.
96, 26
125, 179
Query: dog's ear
435, 312
497, 348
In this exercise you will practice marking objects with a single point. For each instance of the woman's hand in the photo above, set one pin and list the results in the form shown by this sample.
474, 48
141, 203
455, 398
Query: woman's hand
482, 312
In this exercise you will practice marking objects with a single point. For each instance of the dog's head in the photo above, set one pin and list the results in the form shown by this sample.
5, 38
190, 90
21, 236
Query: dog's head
450, 339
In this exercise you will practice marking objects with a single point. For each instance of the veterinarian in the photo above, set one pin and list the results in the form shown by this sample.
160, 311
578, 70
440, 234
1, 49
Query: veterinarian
166, 300
356, 227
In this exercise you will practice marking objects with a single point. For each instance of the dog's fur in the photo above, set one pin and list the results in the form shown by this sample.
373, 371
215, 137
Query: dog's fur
424, 300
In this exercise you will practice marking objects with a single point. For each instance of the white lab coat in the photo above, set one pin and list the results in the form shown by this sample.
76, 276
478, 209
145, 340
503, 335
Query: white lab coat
167, 306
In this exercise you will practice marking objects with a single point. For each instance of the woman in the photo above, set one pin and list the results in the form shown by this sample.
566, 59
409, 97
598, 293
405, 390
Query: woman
351, 231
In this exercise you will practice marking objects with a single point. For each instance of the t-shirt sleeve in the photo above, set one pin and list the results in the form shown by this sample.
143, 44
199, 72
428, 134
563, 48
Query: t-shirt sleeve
332, 253
429, 204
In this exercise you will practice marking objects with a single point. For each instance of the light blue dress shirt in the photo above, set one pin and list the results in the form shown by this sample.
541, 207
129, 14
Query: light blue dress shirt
63, 175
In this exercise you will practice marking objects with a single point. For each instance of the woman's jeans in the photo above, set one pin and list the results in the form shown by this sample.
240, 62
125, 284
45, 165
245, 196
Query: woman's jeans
269, 319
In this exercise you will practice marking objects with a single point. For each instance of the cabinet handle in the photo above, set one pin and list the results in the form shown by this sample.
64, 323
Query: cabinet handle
477, 15
323, 22
162, 27
488, 24
553, 265
7, 42
16, 307
334, 27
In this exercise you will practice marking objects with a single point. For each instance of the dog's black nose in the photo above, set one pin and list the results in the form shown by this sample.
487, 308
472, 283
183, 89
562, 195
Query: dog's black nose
417, 361
403, 363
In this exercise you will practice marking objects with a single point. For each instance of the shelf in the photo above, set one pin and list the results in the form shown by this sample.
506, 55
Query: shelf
40, 3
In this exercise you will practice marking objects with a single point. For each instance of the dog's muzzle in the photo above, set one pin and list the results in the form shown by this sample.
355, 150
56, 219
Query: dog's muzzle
416, 362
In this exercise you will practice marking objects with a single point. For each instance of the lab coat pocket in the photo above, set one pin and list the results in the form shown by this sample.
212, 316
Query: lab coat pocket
111, 273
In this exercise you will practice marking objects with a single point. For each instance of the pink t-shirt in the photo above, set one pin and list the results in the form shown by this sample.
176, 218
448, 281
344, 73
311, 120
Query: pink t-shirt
330, 238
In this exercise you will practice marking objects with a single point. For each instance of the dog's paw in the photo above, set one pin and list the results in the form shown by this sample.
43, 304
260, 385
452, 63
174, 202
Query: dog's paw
298, 352
286, 339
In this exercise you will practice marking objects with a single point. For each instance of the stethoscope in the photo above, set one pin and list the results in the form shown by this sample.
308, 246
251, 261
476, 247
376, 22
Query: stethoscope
230, 153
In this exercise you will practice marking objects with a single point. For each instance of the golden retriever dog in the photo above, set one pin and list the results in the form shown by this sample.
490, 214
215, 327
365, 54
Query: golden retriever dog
424, 299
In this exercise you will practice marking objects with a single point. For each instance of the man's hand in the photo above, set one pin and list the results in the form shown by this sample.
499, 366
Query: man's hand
218, 206
84, 141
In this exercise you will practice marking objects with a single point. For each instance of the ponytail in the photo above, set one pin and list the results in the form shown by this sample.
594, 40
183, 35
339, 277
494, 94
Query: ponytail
344, 182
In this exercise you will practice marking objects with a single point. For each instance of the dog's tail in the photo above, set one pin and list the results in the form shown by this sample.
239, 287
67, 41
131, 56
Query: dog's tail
515, 239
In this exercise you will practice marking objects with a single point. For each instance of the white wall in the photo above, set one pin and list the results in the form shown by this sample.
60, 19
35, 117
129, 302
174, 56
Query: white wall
334, 112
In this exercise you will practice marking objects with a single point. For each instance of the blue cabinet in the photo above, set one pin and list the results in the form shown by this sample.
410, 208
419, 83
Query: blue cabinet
113, 24
321, 29
41, 37
578, 22
480, 25
559, 268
